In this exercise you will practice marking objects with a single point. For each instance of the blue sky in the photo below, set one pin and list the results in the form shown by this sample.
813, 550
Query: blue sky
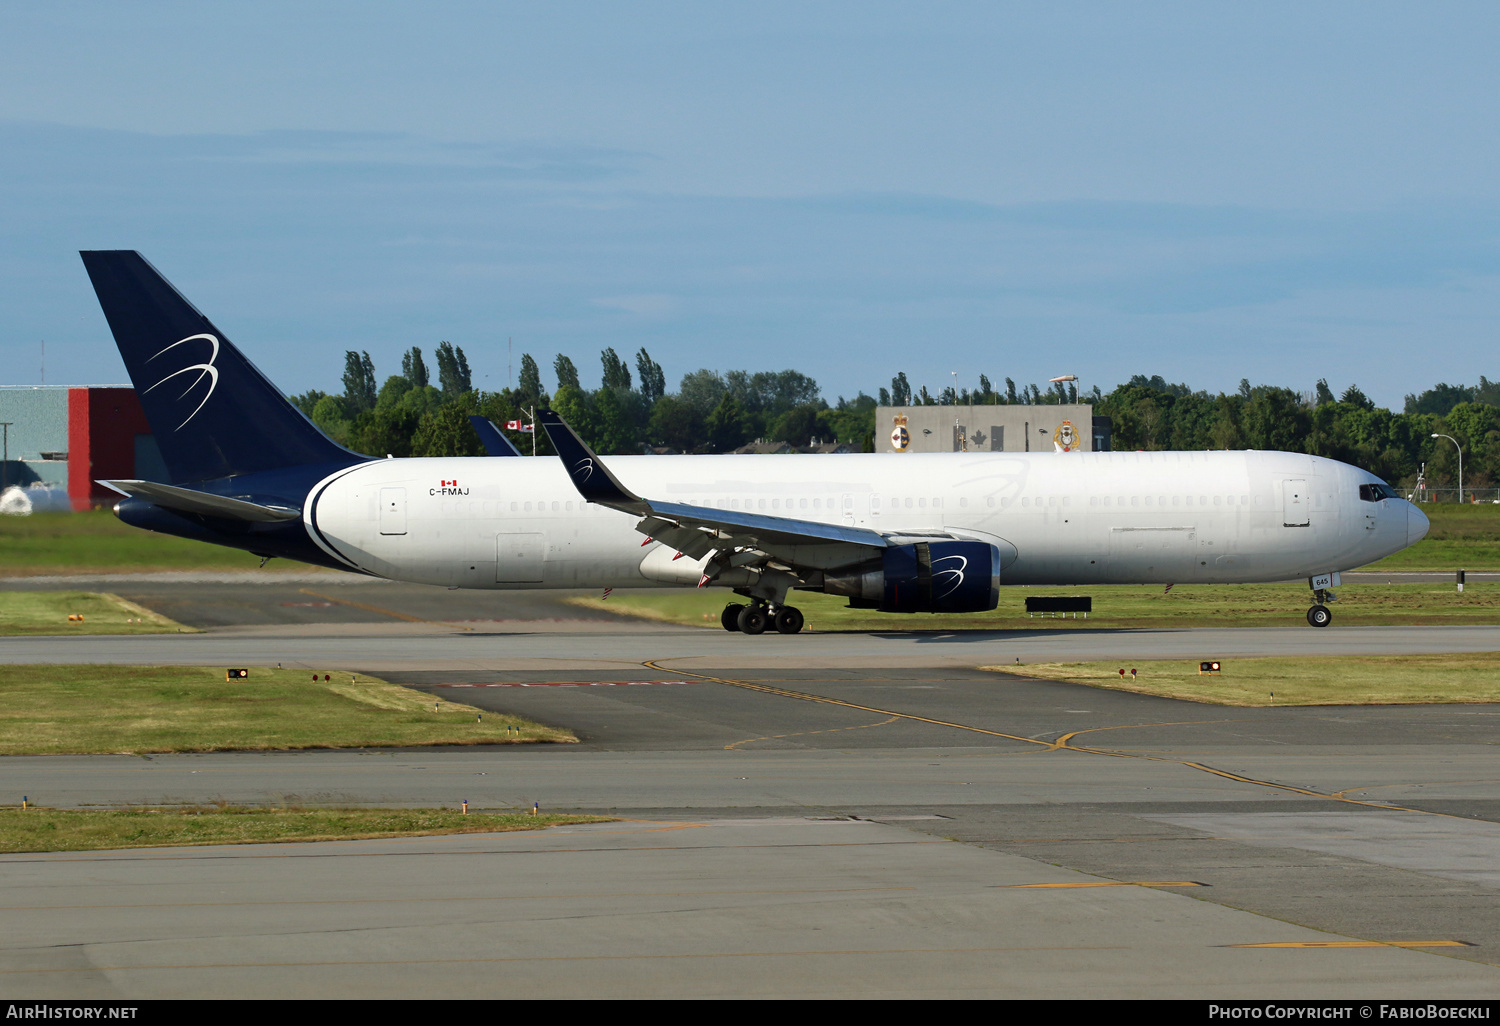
1207, 191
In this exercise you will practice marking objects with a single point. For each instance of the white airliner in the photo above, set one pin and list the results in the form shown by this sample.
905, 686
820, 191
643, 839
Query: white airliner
895, 532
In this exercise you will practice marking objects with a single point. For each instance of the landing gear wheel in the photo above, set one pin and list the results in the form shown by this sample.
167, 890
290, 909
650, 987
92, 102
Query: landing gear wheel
788, 620
1319, 616
753, 620
730, 618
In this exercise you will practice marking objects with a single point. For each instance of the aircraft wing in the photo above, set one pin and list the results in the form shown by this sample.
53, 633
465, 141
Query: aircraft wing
696, 531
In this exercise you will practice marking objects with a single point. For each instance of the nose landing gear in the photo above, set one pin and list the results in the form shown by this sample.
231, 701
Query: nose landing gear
757, 616
1319, 615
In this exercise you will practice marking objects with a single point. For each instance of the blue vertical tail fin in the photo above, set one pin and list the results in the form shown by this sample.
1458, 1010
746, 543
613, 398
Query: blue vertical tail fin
213, 414
495, 443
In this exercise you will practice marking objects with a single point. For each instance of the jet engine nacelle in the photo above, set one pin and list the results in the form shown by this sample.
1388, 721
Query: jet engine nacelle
928, 577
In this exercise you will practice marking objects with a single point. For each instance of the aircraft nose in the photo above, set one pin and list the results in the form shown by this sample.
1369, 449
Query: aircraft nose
1416, 524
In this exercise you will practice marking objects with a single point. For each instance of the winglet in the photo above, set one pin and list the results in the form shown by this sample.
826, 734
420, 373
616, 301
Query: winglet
588, 473
495, 443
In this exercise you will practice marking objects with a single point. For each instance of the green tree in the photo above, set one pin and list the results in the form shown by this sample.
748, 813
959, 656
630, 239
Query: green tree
391, 392
796, 425
446, 431
308, 401
900, 390
413, 368
383, 432
576, 406
850, 421
332, 417
567, 373
616, 423
727, 425
359, 382
1275, 419
1224, 432
653, 380
1354, 397
616, 374
702, 390
677, 424
529, 389
453, 369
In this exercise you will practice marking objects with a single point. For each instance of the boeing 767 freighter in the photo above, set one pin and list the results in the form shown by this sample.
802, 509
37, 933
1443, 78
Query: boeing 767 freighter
905, 533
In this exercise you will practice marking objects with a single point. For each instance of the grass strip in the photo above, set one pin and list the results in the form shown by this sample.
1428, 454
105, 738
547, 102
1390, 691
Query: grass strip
1145, 606
1463, 536
48, 612
1285, 680
96, 541
40, 829
50, 710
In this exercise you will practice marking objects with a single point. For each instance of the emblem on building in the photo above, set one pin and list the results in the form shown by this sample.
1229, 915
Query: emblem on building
900, 437
1065, 438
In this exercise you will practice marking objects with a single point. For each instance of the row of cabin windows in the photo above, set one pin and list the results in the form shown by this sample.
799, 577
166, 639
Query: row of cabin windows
749, 504
934, 503
1175, 500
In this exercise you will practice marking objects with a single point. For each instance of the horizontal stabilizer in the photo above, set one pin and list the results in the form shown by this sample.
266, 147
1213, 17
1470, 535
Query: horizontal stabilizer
186, 500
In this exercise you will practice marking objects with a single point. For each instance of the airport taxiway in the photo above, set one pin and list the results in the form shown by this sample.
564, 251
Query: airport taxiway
822, 815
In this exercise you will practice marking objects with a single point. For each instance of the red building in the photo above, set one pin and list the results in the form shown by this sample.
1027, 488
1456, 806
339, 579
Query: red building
105, 429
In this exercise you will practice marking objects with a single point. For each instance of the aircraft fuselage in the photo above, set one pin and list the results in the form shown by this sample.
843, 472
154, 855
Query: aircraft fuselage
1057, 518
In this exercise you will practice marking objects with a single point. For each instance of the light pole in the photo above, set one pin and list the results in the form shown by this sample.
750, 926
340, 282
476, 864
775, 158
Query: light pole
5, 458
1460, 462
959, 435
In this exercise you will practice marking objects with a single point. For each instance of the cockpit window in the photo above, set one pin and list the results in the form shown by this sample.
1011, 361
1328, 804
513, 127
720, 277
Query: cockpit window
1376, 492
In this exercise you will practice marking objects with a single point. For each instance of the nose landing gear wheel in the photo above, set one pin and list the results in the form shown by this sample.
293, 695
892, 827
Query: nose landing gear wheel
789, 619
730, 618
1319, 616
752, 620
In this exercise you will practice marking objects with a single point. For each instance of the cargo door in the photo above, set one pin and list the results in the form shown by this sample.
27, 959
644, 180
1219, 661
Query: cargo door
1295, 503
520, 558
392, 511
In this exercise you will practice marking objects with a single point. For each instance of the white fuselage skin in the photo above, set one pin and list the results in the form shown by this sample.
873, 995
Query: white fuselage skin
1058, 518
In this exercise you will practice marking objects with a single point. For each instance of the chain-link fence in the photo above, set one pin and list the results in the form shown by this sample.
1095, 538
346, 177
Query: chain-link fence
1451, 495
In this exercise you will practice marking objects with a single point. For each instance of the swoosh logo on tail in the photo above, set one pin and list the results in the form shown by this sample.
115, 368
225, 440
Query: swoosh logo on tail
205, 370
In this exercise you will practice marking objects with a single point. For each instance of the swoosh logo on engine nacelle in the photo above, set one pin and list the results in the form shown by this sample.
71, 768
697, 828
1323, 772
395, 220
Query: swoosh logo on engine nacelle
955, 574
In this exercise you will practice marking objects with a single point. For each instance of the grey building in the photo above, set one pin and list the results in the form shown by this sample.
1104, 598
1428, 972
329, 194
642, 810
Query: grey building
36, 442
1072, 428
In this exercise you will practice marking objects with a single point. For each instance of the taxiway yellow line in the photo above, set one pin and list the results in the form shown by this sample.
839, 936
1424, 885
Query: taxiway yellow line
1059, 745
1116, 883
1357, 944
382, 611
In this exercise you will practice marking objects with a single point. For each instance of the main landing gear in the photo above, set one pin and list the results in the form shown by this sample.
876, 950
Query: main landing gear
757, 616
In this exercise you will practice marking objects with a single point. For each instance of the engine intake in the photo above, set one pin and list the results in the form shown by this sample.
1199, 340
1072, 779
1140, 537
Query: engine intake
928, 577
